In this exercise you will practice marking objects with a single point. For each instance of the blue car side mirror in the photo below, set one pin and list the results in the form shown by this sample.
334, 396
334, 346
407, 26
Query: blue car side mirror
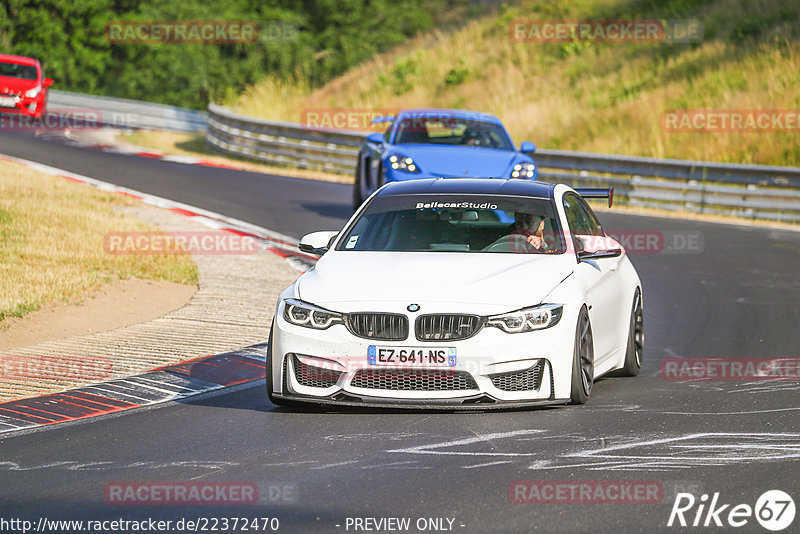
527, 146
376, 138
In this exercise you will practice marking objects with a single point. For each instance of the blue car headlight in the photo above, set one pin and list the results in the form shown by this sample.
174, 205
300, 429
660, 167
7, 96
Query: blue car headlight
523, 170
302, 313
403, 163
527, 319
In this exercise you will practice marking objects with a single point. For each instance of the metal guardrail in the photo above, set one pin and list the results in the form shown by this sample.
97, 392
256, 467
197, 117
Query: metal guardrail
753, 191
124, 113
284, 143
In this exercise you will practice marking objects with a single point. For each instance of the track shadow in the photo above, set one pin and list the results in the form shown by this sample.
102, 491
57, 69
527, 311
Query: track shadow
335, 211
254, 397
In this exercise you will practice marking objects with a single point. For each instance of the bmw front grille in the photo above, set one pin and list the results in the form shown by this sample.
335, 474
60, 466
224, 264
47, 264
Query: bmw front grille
447, 327
379, 326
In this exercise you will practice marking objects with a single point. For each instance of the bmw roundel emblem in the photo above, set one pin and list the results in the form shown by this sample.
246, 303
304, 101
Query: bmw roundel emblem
413, 307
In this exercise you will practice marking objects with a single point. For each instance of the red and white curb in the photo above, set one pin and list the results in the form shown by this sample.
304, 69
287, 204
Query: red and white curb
170, 383
173, 382
66, 138
282, 245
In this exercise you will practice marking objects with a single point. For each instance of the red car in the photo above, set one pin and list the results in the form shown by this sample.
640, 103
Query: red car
22, 88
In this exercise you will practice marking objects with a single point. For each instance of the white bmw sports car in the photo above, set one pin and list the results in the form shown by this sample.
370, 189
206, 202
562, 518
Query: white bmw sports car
459, 293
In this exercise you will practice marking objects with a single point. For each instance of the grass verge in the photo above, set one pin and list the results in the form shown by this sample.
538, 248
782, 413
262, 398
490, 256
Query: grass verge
51, 242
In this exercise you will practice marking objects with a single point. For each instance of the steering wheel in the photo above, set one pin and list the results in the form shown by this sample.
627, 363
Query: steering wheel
514, 243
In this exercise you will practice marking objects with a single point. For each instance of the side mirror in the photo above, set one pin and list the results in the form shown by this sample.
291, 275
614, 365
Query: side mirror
376, 138
597, 254
597, 247
528, 147
47, 82
317, 242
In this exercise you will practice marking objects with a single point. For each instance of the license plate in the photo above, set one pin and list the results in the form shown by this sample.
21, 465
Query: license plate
8, 101
412, 356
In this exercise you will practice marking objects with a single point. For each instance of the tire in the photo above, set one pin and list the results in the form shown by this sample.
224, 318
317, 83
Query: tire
633, 354
357, 198
582, 360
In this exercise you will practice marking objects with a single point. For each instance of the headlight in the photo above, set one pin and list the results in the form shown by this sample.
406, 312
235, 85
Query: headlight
303, 314
403, 163
523, 170
527, 319
33, 93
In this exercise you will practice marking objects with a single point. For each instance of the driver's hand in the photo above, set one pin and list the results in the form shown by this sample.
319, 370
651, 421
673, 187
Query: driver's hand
535, 240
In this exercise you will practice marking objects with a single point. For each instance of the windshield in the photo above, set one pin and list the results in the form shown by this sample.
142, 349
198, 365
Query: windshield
456, 223
452, 131
15, 70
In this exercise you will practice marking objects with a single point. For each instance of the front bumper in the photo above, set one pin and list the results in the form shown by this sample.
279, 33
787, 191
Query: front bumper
492, 368
23, 105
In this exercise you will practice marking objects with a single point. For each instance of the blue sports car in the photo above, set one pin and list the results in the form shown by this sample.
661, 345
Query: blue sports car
434, 143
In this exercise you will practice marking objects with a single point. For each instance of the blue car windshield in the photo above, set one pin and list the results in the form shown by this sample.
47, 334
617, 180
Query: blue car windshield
444, 130
456, 223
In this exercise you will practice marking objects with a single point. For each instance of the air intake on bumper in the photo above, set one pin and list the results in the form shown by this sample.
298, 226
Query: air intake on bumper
413, 380
529, 379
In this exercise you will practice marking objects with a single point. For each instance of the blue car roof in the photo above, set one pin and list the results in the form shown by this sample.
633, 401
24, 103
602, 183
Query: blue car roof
470, 186
449, 113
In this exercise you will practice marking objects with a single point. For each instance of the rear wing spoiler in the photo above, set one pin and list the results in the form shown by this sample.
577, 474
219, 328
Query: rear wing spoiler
589, 192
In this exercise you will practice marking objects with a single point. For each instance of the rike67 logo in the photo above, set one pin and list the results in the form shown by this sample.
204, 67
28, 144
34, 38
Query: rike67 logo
774, 510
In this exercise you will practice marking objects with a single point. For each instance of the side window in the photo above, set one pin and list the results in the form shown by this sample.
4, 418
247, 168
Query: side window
388, 132
580, 217
595, 228
576, 216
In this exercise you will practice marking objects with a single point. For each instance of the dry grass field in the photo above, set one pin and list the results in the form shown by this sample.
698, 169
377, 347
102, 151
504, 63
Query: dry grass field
51, 242
606, 97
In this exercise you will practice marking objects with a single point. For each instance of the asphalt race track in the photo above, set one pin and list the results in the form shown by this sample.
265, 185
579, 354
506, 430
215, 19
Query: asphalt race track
737, 297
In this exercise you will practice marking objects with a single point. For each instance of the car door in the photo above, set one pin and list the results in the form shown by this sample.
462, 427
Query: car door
598, 277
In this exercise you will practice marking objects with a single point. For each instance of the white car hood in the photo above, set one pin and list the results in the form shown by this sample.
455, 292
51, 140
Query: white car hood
348, 281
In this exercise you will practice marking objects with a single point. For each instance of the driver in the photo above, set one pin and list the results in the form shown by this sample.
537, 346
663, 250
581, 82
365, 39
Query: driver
470, 139
531, 227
